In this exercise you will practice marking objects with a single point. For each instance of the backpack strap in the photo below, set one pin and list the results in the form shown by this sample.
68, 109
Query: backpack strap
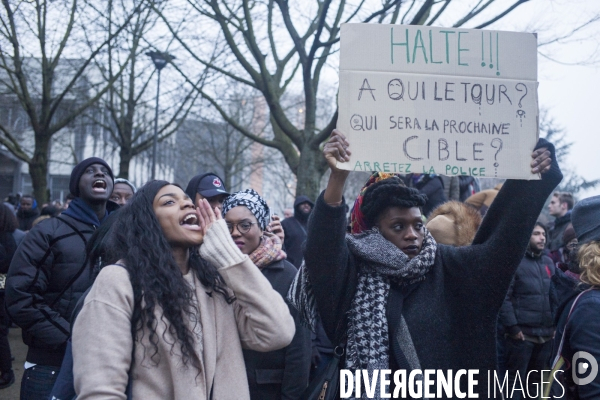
559, 360
562, 339
83, 266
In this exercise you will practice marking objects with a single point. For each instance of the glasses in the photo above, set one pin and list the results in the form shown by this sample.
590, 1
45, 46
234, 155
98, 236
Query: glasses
242, 227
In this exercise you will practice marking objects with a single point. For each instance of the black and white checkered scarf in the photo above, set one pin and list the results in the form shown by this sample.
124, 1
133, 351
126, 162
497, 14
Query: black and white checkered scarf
379, 263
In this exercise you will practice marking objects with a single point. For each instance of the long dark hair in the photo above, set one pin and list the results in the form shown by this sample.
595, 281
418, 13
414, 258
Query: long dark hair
8, 220
136, 238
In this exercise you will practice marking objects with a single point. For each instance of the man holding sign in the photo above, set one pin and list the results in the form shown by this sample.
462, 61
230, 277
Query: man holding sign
394, 297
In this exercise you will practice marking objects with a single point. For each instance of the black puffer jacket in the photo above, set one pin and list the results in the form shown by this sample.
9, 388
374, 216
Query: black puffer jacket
46, 278
281, 374
530, 305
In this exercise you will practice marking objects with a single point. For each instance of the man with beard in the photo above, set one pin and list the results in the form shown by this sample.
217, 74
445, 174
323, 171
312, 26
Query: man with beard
48, 275
295, 230
527, 316
27, 213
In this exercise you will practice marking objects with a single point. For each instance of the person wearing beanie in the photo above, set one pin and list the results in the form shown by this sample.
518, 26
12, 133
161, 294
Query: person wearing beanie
122, 192
395, 298
454, 223
578, 325
47, 275
207, 186
527, 315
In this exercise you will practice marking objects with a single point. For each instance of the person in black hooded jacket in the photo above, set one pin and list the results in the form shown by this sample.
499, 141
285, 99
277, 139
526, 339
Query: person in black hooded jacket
295, 229
47, 275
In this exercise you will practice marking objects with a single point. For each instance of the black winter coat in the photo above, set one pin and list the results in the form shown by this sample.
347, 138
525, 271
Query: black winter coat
46, 278
281, 374
530, 304
26, 218
7, 250
295, 232
452, 314
555, 234
582, 333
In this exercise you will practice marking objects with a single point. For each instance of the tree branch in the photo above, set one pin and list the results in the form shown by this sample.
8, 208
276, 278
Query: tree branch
502, 14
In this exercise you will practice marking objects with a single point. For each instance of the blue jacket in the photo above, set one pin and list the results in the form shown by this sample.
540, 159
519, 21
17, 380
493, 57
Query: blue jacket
582, 334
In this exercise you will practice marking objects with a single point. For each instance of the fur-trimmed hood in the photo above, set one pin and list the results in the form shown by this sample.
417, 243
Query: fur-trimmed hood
454, 223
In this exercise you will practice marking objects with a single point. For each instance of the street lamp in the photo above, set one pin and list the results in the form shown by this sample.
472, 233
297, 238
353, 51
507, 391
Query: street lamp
160, 61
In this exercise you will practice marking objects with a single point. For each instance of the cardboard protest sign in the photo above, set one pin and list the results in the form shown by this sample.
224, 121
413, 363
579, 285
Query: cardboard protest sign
436, 100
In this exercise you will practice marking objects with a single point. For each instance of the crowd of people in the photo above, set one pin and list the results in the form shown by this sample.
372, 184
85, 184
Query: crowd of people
163, 293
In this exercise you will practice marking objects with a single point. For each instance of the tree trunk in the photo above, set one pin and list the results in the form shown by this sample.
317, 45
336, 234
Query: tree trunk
125, 158
38, 169
310, 170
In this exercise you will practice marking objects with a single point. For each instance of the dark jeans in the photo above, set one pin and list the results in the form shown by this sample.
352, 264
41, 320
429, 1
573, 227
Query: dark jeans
524, 356
5, 356
500, 351
38, 382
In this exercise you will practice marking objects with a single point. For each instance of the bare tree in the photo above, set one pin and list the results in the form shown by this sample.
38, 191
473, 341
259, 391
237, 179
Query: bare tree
551, 131
272, 45
209, 144
47, 51
127, 111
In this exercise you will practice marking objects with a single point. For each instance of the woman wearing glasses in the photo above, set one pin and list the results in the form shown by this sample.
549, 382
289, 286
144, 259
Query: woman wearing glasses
281, 374
166, 321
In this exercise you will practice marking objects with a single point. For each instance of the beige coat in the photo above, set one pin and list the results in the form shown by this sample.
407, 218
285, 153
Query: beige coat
259, 320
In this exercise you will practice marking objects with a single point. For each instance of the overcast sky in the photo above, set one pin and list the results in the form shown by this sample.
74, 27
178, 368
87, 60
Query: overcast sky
570, 92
